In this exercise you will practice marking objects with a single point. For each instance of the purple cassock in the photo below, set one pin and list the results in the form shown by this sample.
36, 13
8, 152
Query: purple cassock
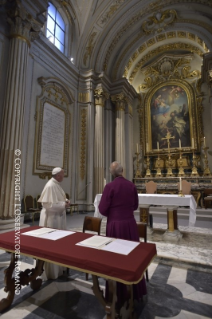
118, 202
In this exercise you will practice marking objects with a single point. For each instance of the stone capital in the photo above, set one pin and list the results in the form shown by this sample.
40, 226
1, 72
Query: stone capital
120, 101
23, 25
100, 96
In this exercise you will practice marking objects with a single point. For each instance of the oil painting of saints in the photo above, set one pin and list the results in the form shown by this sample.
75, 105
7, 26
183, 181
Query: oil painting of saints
170, 114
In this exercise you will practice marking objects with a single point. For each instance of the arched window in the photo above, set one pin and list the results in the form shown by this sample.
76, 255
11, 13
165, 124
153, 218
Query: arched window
55, 31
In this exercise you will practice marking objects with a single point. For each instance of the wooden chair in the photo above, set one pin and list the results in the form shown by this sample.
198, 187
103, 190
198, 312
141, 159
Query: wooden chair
142, 230
29, 206
91, 224
151, 187
207, 198
186, 187
73, 207
38, 204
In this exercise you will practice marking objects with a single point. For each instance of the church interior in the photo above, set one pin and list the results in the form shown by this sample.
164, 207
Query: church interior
88, 82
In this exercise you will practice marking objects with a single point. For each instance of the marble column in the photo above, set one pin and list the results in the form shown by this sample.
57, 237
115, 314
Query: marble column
120, 137
23, 27
99, 145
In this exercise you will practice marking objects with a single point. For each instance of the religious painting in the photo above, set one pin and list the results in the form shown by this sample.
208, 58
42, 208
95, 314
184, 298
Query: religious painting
169, 116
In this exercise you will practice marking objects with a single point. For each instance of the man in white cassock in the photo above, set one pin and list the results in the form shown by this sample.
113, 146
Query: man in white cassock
53, 213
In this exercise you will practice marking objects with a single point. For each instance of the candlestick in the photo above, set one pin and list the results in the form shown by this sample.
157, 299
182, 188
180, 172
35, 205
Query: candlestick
180, 184
179, 143
192, 144
158, 146
147, 147
204, 142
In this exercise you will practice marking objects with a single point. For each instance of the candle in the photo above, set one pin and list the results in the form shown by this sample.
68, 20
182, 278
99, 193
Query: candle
104, 182
147, 147
179, 143
137, 147
204, 142
192, 144
180, 184
158, 145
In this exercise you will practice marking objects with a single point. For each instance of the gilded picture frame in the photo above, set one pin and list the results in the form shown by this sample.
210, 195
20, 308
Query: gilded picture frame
170, 109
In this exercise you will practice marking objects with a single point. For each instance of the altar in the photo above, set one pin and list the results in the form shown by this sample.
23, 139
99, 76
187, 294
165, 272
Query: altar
160, 199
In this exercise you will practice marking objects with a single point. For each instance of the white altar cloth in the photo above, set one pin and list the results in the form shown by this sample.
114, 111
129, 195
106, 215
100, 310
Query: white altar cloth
160, 199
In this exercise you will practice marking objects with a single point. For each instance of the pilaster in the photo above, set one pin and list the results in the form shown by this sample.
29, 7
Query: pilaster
23, 29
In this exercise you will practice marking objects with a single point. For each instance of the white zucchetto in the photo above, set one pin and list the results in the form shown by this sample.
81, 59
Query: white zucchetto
56, 170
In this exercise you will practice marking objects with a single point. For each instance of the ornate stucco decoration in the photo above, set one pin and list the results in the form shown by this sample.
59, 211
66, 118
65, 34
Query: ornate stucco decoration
148, 10
168, 68
89, 48
159, 21
164, 48
83, 127
109, 13
84, 97
145, 46
210, 78
200, 116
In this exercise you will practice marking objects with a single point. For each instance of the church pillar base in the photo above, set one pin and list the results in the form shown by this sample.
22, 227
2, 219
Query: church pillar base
172, 236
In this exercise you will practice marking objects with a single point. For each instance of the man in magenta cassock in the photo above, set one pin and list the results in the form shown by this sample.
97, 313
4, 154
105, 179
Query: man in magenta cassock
118, 202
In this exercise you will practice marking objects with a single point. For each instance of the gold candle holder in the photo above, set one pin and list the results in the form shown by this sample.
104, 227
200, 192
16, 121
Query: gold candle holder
194, 168
207, 171
180, 194
158, 166
138, 172
181, 169
170, 164
148, 172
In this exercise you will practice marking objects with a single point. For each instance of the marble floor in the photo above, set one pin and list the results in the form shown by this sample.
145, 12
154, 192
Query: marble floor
180, 285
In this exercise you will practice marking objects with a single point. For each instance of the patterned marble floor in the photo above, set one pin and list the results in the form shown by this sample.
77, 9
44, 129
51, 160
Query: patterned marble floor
194, 248
180, 285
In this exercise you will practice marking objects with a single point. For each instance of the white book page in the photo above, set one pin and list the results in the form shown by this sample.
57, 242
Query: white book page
56, 234
120, 246
95, 241
39, 231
